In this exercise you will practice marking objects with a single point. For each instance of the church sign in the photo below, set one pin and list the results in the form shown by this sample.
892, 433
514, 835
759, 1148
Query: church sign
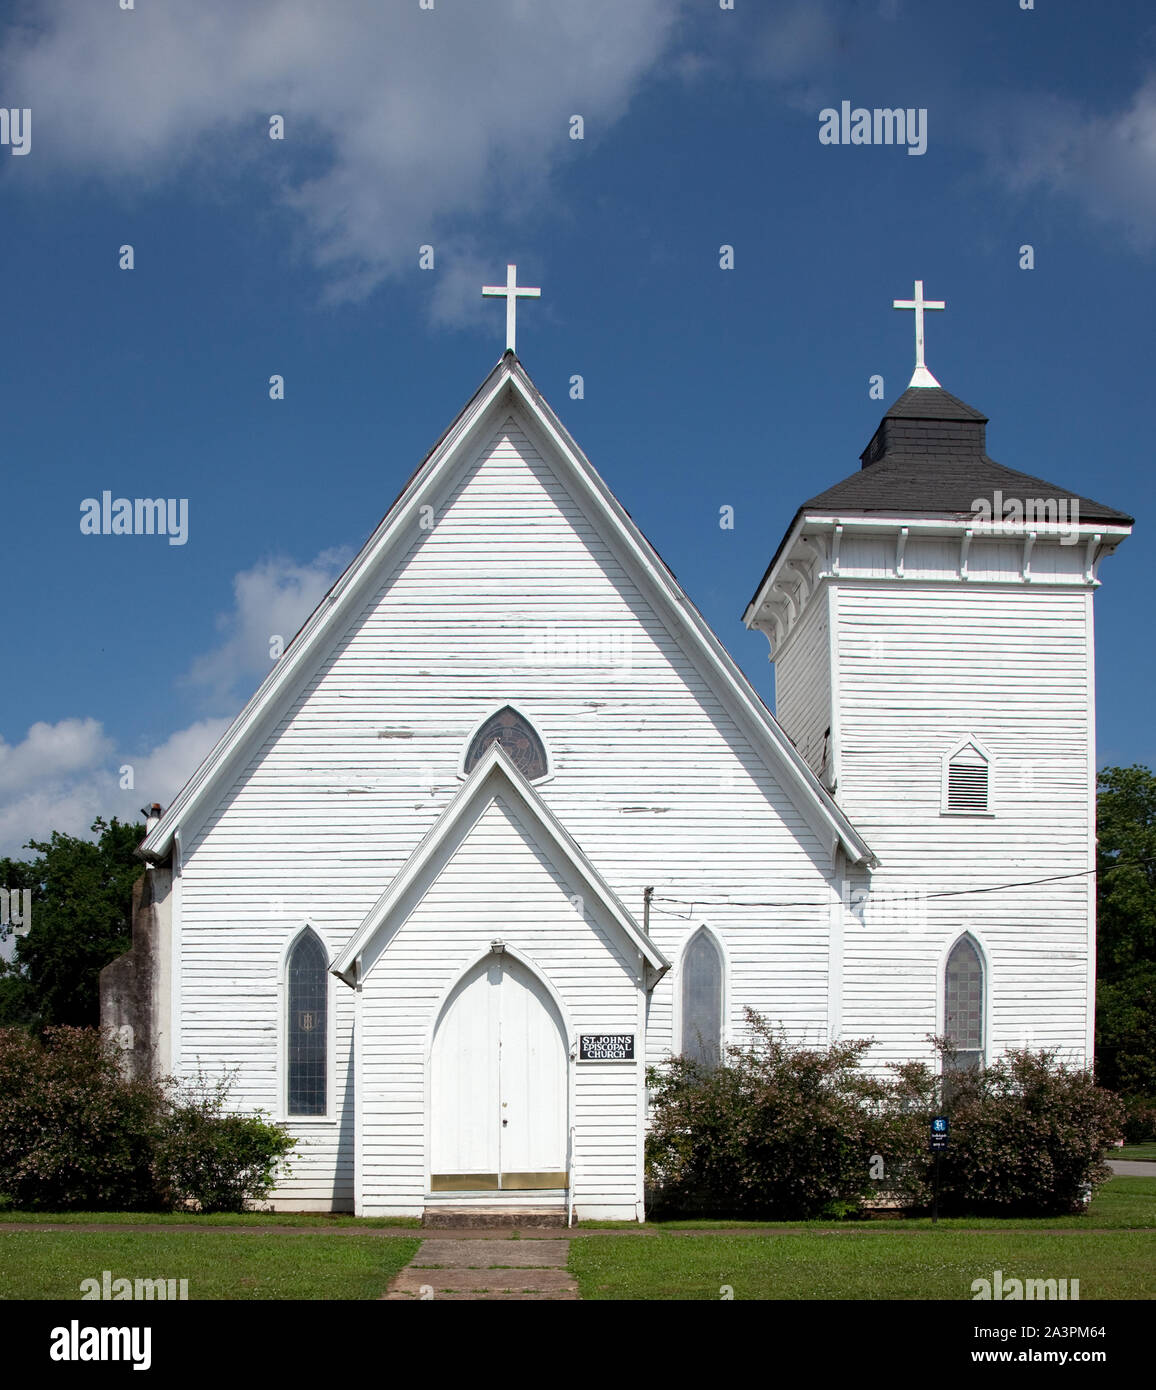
606, 1047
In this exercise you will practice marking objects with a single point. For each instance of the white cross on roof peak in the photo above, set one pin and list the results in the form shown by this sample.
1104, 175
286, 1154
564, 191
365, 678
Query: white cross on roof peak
512, 292
922, 376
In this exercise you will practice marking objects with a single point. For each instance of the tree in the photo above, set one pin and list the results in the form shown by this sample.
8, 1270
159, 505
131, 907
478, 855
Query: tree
81, 919
1126, 1032
1126, 930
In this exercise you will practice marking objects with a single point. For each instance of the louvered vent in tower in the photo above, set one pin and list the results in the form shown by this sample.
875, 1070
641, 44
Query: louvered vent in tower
967, 781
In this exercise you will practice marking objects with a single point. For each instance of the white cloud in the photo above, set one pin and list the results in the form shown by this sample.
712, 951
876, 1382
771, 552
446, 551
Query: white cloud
53, 779
62, 776
411, 123
272, 599
50, 751
1106, 162
797, 41
159, 775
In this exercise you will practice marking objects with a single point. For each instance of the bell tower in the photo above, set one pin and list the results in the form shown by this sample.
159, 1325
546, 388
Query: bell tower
930, 621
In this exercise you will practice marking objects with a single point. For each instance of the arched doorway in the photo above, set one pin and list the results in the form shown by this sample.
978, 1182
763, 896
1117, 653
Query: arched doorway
498, 1084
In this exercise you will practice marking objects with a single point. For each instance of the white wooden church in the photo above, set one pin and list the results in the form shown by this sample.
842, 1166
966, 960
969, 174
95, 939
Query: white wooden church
506, 823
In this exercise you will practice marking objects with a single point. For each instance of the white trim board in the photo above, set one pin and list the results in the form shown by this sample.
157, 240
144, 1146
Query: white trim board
496, 775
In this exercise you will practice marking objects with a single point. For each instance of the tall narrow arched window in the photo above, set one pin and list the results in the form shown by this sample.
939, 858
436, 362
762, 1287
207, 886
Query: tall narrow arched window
963, 1003
702, 999
518, 738
307, 1026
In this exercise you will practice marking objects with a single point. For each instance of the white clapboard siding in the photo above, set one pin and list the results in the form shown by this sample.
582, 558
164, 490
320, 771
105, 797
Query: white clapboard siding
497, 883
803, 682
922, 667
650, 774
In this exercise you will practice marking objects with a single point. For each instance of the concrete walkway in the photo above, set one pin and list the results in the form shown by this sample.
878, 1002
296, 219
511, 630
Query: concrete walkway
453, 1268
1132, 1168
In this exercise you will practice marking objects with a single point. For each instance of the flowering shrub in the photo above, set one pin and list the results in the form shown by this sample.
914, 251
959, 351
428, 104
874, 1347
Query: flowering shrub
76, 1132
788, 1133
1028, 1137
214, 1161
777, 1131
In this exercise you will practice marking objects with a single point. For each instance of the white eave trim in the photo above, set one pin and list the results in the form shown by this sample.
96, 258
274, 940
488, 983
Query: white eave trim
495, 774
1108, 533
959, 523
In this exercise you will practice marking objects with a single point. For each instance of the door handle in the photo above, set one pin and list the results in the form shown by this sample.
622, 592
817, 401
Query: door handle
505, 1123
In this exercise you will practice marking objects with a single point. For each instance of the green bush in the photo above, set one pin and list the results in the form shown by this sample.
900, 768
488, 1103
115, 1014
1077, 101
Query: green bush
776, 1131
1028, 1137
213, 1161
1139, 1120
74, 1131
788, 1133
77, 1133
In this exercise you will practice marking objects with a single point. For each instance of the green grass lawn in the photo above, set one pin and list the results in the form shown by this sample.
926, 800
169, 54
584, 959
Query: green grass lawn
1121, 1204
1143, 1153
1111, 1250
868, 1264
188, 1218
218, 1264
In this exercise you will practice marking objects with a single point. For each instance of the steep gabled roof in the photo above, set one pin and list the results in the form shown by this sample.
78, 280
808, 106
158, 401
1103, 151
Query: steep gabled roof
506, 386
496, 776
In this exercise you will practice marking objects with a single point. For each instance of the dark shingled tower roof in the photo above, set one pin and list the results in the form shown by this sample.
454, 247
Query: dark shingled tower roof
929, 458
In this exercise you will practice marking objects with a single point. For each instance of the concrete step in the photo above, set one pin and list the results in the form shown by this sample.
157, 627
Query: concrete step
492, 1218
497, 1252
436, 1283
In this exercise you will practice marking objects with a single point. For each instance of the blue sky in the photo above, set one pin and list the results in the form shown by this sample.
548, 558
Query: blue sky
450, 127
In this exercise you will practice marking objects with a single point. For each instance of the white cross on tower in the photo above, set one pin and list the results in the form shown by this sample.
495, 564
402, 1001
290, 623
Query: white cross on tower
512, 292
922, 376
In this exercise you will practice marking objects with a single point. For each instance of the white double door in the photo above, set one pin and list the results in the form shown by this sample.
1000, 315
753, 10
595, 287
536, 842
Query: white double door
499, 1084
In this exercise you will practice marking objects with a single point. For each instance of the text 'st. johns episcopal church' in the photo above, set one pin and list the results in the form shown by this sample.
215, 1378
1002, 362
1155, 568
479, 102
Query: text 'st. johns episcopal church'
505, 822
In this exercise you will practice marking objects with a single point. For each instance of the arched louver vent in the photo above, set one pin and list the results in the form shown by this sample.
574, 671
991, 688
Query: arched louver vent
967, 781
519, 741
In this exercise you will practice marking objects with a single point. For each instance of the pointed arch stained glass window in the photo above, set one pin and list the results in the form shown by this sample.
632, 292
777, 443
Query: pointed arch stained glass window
702, 1000
963, 1003
308, 998
519, 741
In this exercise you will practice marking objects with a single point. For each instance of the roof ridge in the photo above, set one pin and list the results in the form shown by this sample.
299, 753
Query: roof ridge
932, 403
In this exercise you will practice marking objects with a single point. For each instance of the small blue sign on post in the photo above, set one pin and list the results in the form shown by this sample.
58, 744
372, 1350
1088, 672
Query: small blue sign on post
940, 1136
